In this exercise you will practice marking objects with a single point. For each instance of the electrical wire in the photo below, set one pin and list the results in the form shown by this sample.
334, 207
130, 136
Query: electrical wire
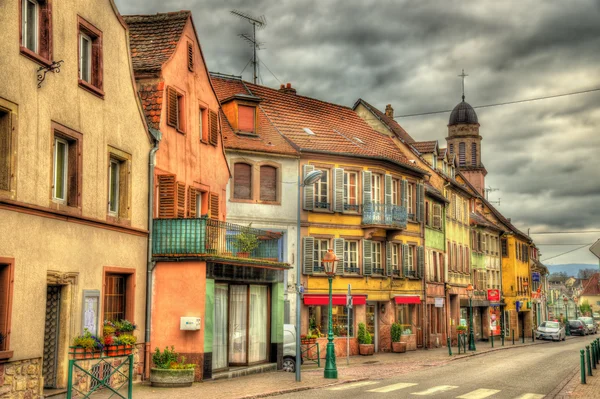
248, 63
261, 61
567, 232
568, 252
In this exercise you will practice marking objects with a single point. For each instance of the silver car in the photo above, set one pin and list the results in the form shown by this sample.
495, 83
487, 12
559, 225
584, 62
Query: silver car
589, 322
289, 348
551, 330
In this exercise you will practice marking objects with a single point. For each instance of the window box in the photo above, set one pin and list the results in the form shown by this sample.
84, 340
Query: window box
379, 271
351, 270
321, 205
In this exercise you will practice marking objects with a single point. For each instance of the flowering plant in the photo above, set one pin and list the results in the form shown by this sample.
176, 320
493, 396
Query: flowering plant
89, 341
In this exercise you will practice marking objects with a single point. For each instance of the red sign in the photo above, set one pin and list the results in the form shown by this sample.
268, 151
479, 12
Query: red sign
493, 295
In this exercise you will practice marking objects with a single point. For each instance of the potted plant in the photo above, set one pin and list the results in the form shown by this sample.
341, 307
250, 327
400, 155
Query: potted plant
365, 341
461, 329
118, 337
397, 346
128, 341
169, 371
86, 346
245, 242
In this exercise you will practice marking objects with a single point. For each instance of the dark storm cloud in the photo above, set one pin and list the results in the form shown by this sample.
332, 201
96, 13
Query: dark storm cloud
542, 156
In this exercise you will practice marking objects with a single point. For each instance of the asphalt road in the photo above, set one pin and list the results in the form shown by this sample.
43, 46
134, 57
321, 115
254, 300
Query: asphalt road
525, 373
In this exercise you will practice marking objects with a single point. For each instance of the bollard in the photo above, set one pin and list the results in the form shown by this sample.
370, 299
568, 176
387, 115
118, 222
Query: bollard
593, 355
492, 340
459, 344
513, 336
532, 335
502, 337
589, 361
597, 350
523, 337
449, 347
582, 364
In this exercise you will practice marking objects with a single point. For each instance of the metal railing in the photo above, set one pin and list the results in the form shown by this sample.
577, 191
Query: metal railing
384, 215
209, 237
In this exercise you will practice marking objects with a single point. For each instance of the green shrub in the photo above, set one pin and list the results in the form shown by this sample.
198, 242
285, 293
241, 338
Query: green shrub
396, 332
169, 359
88, 341
127, 339
364, 337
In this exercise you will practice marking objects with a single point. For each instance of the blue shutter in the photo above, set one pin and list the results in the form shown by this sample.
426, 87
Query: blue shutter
367, 198
367, 258
308, 254
338, 190
405, 250
309, 191
420, 262
403, 189
338, 249
388, 258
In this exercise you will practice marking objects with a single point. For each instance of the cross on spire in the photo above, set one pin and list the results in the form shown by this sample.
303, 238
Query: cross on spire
463, 75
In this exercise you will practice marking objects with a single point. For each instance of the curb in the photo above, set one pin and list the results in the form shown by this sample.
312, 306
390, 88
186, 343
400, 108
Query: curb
299, 389
496, 349
562, 386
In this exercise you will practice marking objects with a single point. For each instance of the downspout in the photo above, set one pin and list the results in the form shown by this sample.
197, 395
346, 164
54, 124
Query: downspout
150, 266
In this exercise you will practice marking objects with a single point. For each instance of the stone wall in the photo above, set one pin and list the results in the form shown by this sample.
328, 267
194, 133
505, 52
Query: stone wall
21, 379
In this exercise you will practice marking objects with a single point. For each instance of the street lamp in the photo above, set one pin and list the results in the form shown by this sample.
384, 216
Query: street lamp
471, 334
567, 328
310, 178
576, 312
329, 261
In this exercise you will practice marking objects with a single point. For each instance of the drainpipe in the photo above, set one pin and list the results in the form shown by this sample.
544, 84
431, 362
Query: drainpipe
150, 266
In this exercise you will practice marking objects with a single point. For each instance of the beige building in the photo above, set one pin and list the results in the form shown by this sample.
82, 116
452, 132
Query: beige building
74, 151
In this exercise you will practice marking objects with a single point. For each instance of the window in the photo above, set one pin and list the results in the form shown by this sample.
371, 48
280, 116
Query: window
474, 154
61, 159
268, 183
451, 148
434, 161
190, 48
350, 191
410, 200
461, 154
36, 30
113, 186
246, 118
90, 57
376, 188
404, 316
318, 316
437, 216
376, 258
66, 166
427, 214
351, 256
396, 256
322, 191
320, 249
242, 181
410, 256
396, 200
213, 127
504, 249
119, 195
6, 293
202, 132
30, 15
175, 109
6, 140
119, 287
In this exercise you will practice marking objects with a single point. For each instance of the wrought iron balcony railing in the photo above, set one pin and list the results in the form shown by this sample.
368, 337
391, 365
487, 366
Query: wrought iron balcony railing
321, 205
205, 237
384, 215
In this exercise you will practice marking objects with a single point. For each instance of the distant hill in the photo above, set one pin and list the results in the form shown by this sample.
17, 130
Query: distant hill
572, 268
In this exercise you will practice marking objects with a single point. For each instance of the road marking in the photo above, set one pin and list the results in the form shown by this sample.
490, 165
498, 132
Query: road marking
531, 396
478, 394
352, 385
439, 388
393, 387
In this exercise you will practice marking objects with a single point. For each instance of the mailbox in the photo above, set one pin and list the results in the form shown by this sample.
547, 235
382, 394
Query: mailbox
189, 323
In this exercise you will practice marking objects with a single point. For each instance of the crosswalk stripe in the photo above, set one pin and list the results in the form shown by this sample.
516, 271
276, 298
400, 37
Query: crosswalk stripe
531, 396
393, 387
431, 391
352, 385
478, 394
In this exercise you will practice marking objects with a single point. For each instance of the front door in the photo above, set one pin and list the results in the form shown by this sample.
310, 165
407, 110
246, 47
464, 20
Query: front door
371, 314
220, 332
51, 334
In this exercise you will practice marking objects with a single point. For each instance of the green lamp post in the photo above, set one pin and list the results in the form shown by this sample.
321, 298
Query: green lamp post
329, 261
576, 313
567, 328
471, 334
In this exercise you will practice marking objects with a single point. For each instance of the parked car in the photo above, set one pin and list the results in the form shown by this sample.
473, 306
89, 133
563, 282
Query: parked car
578, 327
589, 322
551, 330
289, 348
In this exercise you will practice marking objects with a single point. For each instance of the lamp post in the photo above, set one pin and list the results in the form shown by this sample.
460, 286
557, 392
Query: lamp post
471, 334
567, 328
329, 262
576, 312
309, 179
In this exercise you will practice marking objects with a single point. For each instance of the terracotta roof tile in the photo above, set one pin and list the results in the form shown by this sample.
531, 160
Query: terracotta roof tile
480, 220
593, 286
425, 147
389, 122
153, 38
152, 97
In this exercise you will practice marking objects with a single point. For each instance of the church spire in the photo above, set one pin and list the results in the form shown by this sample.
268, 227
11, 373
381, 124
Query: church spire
463, 76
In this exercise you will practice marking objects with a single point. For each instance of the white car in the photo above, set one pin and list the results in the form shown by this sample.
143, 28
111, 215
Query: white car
551, 330
289, 348
589, 322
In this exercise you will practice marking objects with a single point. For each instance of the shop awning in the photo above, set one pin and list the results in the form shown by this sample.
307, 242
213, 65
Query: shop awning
338, 299
407, 299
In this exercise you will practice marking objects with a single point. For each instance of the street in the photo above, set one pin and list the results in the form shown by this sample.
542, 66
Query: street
525, 373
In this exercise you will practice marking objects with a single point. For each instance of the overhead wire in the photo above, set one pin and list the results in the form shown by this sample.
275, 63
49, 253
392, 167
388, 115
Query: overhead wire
568, 252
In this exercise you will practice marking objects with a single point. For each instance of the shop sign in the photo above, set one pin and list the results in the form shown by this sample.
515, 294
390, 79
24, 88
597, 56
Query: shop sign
439, 302
493, 295
535, 276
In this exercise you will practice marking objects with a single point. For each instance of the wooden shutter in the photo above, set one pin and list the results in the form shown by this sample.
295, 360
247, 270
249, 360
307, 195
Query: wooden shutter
338, 190
388, 189
388, 258
214, 127
421, 188
180, 199
308, 247
309, 191
338, 248
403, 193
45, 29
420, 262
268, 183
242, 181
73, 173
97, 61
166, 196
246, 117
172, 107
437, 216
214, 206
5, 153
190, 56
5, 302
192, 202
367, 196
405, 249
367, 257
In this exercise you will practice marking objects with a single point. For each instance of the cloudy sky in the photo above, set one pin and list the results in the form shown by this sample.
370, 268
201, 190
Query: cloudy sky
541, 156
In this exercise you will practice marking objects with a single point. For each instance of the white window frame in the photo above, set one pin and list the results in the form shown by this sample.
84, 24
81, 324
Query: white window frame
320, 251
65, 170
396, 256
395, 191
26, 24
410, 198
347, 188
114, 163
319, 186
350, 255
376, 254
83, 36
376, 188
198, 204
411, 258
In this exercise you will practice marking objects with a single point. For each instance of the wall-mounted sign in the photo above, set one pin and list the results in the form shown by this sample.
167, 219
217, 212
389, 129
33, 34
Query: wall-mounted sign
535, 276
439, 302
91, 309
493, 295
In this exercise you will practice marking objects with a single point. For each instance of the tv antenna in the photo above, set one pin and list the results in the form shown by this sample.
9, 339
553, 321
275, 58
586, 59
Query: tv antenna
259, 23
489, 190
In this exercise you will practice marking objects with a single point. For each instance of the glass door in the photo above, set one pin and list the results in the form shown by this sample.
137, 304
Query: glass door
257, 348
220, 335
238, 319
371, 316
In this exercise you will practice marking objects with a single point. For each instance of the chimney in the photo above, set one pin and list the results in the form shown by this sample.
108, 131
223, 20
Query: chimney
288, 89
389, 111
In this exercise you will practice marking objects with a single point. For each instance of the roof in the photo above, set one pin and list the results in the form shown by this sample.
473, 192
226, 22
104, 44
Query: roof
435, 193
480, 220
442, 152
151, 95
337, 129
463, 113
153, 38
389, 122
425, 147
592, 287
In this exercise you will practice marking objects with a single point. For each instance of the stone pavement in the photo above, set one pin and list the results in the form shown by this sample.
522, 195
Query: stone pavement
378, 366
572, 387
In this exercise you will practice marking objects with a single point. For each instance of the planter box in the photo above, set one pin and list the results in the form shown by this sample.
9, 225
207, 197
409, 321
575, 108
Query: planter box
79, 352
163, 378
119, 350
410, 340
366, 350
398, 347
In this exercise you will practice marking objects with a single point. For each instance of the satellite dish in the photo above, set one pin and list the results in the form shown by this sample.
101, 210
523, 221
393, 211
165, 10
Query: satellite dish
313, 177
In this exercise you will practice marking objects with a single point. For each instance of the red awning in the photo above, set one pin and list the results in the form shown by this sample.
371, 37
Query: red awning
338, 299
407, 299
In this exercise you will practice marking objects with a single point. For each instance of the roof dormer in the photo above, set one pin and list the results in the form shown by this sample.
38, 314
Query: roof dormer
242, 112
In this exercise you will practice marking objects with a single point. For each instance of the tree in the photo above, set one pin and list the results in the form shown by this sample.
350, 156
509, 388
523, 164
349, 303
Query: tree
586, 274
585, 308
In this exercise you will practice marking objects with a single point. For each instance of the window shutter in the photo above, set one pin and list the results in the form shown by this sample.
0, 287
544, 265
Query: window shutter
388, 189
437, 216
5, 145
309, 191
214, 206
308, 244
403, 190
419, 203
367, 198
338, 248
388, 257
242, 181
192, 202
73, 174
421, 190
180, 199
268, 183
214, 127
338, 190
45, 29
166, 196
367, 255
420, 262
190, 56
172, 112
246, 116
405, 250
97, 62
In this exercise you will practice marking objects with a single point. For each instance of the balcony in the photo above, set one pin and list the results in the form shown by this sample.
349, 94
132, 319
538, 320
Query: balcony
387, 215
208, 238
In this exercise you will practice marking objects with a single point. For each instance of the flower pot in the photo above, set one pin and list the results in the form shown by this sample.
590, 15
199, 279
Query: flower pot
166, 378
366, 349
398, 347
128, 349
111, 350
79, 352
243, 254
